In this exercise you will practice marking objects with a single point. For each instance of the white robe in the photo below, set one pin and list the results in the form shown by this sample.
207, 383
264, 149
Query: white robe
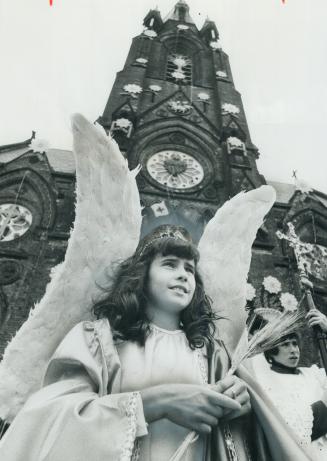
83, 415
293, 395
73, 418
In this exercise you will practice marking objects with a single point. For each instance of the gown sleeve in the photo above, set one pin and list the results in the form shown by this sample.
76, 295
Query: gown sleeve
73, 416
319, 409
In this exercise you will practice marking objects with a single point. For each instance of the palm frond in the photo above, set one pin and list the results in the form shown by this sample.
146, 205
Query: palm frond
267, 337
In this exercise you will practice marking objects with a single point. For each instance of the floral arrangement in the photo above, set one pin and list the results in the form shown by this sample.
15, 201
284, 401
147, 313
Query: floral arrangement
221, 74
179, 106
132, 88
235, 142
123, 123
155, 88
271, 284
268, 301
203, 96
178, 75
228, 108
250, 292
150, 33
180, 62
182, 27
141, 60
215, 45
289, 302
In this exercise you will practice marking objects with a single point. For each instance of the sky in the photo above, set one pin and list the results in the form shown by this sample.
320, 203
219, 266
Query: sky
61, 59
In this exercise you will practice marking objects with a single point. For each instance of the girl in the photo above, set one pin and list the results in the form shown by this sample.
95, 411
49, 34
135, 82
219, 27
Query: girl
134, 390
133, 384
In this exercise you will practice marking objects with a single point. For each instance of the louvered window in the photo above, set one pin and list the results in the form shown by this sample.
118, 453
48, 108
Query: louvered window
179, 69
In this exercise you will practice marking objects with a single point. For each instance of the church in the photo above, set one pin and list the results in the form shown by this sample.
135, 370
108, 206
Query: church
174, 110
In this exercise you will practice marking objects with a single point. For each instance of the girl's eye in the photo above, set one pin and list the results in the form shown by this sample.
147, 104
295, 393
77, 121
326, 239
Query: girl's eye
190, 269
169, 263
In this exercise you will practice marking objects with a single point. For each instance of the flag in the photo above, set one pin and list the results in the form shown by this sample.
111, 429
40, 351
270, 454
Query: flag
160, 209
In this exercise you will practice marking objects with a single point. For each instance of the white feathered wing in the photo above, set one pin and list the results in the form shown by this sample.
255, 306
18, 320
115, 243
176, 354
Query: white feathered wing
106, 229
225, 249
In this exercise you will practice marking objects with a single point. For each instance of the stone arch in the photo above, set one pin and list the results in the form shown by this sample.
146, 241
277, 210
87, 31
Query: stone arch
311, 225
26, 187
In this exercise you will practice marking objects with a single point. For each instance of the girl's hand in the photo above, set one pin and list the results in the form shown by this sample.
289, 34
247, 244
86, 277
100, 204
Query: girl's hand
196, 407
316, 317
234, 387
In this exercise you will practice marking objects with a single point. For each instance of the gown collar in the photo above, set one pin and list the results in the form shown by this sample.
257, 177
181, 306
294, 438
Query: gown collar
283, 369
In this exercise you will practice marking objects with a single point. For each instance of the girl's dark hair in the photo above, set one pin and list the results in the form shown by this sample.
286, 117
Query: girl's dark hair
127, 298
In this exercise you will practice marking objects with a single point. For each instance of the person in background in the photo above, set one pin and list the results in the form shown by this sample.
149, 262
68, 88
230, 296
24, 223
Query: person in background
299, 393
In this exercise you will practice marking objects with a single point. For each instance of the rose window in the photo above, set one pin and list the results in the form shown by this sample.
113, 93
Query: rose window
175, 169
15, 220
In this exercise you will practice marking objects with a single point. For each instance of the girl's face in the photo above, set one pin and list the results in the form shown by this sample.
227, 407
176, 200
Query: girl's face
171, 283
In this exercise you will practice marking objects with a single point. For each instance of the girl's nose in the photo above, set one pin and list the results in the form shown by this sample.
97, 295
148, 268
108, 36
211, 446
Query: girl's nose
182, 274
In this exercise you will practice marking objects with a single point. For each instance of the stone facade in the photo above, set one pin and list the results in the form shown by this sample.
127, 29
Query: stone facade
29, 180
173, 109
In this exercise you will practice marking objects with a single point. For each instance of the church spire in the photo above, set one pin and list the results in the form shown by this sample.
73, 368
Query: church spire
180, 12
209, 31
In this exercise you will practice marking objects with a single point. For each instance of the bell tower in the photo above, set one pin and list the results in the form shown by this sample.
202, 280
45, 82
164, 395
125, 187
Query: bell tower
174, 110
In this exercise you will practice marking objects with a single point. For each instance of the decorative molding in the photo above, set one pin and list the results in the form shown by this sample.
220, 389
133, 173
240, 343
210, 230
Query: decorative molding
10, 271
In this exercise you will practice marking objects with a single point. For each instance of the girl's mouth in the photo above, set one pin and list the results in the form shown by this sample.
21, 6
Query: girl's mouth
179, 289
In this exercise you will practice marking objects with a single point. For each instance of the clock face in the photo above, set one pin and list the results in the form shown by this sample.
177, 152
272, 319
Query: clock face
15, 220
175, 169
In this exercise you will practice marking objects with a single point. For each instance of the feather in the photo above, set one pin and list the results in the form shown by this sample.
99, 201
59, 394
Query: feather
106, 229
267, 313
266, 338
225, 250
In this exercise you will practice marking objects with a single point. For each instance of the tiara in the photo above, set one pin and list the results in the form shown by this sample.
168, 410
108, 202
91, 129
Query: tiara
163, 232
